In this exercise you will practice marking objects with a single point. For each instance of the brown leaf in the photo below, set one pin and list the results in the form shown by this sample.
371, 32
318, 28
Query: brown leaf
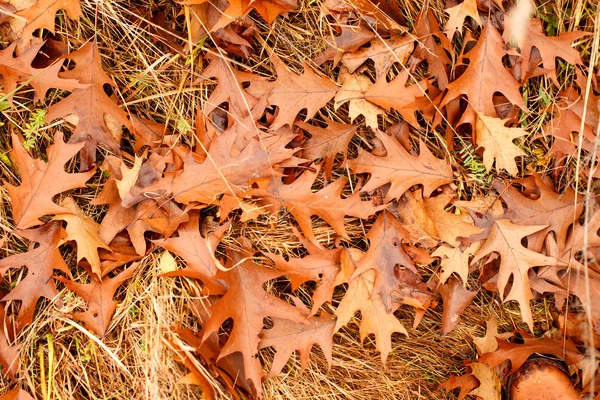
456, 300
350, 40
397, 95
96, 116
519, 353
458, 14
488, 343
384, 254
374, 317
466, 383
455, 260
84, 231
450, 227
556, 210
42, 14
384, 53
247, 304
292, 93
223, 173
287, 336
197, 251
354, 87
485, 75
489, 387
515, 261
401, 169
18, 70
320, 265
549, 48
98, 295
327, 142
40, 262
41, 181
268, 9
9, 354
497, 140
327, 203
412, 215
229, 87
428, 32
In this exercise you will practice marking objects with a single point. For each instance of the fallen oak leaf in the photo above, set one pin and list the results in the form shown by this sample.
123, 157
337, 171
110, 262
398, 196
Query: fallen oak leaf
327, 203
41, 15
84, 231
489, 387
401, 169
383, 53
458, 14
515, 261
456, 299
96, 116
287, 336
354, 87
18, 70
327, 142
485, 75
384, 254
247, 304
320, 265
292, 93
98, 296
374, 317
41, 181
40, 262
16, 394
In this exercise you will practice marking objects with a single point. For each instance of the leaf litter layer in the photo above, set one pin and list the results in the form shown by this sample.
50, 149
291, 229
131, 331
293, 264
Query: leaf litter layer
255, 178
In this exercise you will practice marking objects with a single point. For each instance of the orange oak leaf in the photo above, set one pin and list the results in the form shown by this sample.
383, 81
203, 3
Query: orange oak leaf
247, 304
41, 181
354, 87
549, 48
450, 227
428, 33
556, 210
292, 93
96, 116
565, 126
268, 9
458, 14
327, 203
519, 353
18, 70
466, 383
401, 169
384, 254
456, 299
412, 215
327, 142
197, 251
384, 53
287, 336
515, 261
40, 262
84, 231
229, 87
397, 95
202, 182
98, 295
350, 40
42, 14
485, 75
320, 265
374, 317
